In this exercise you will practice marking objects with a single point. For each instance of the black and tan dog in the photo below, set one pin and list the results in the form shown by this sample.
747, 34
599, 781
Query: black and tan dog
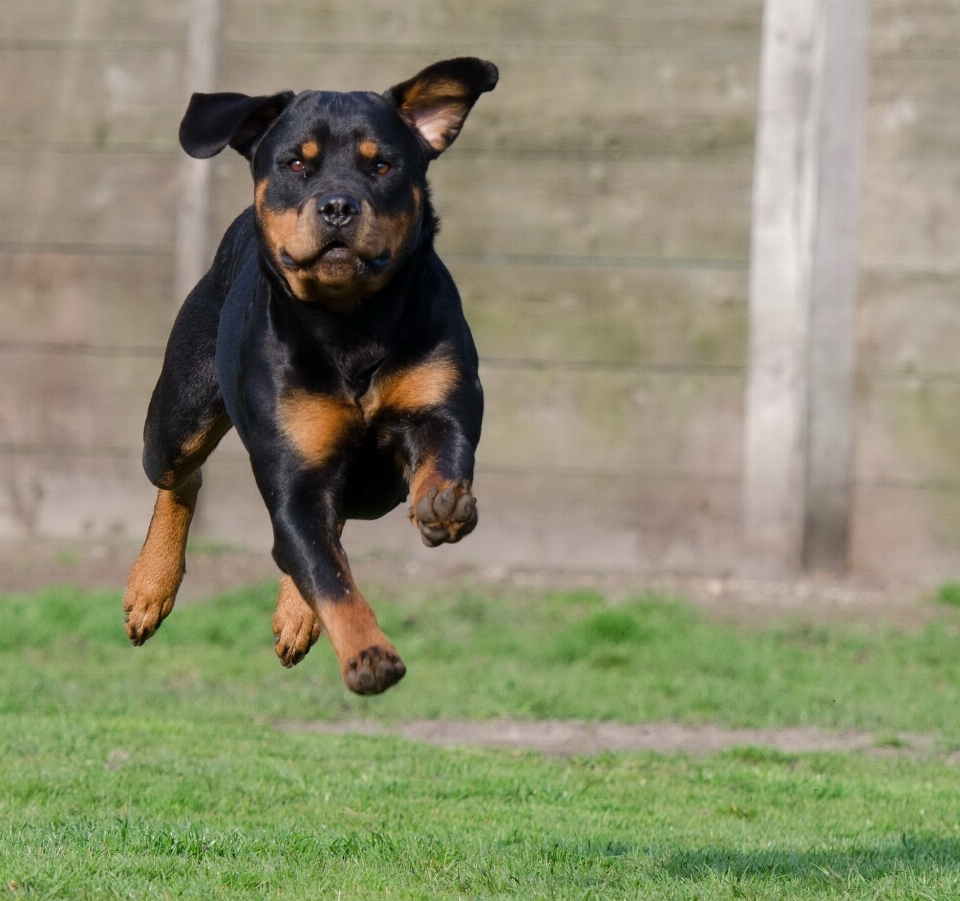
330, 335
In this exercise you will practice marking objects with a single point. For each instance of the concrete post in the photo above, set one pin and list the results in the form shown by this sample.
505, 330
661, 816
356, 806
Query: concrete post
193, 214
803, 282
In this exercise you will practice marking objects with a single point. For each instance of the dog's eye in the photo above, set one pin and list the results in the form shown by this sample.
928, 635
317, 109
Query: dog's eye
297, 166
381, 167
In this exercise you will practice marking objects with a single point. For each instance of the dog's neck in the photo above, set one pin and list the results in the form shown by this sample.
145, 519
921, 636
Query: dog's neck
355, 342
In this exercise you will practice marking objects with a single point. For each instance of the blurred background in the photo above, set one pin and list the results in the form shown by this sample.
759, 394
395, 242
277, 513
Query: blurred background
597, 218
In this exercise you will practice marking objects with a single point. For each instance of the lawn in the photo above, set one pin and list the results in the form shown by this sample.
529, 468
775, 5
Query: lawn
158, 772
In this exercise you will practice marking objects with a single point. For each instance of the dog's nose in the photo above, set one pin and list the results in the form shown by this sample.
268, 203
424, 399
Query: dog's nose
338, 210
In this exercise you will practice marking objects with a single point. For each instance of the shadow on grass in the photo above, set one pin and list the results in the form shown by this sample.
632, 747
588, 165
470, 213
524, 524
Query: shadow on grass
916, 855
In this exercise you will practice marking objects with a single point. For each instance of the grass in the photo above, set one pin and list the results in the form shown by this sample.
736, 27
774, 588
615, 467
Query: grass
949, 593
157, 772
477, 653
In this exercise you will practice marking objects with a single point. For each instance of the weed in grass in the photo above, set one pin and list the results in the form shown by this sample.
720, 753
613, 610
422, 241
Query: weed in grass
949, 593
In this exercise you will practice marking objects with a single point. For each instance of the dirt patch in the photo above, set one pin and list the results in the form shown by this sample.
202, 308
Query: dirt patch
570, 737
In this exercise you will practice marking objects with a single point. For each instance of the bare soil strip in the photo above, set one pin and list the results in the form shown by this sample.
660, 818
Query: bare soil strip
570, 737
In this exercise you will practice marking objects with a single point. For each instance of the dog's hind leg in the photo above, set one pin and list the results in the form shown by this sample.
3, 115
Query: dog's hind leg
295, 625
156, 575
185, 422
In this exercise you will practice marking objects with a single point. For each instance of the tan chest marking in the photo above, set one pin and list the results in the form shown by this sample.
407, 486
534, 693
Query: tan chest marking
317, 425
412, 389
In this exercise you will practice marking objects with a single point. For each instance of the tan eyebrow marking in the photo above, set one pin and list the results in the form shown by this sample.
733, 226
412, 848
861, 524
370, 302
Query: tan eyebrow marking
369, 150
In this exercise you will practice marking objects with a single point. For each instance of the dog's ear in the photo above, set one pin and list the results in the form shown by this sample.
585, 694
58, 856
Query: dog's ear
212, 121
436, 102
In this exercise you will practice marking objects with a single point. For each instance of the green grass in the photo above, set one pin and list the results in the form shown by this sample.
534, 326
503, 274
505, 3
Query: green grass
949, 593
158, 773
480, 654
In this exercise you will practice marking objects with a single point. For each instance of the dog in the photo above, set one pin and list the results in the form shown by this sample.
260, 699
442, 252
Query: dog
331, 336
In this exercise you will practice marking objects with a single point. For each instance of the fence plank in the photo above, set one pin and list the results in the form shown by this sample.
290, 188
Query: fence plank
608, 210
656, 317
500, 22
82, 299
590, 419
631, 317
908, 324
621, 524
117, 20
132, 95
194, 242
651, 101
123, 200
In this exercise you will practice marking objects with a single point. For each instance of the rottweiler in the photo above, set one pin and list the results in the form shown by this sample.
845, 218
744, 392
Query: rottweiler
331, 336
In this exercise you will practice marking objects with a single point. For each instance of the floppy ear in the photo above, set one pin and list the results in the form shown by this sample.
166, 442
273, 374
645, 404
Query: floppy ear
435, 103
212, 121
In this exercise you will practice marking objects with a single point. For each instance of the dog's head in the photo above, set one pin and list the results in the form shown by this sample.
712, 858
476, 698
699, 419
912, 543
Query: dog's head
340, 179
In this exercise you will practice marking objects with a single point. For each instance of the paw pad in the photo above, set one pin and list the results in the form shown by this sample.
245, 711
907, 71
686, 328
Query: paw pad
373, 670
446, 514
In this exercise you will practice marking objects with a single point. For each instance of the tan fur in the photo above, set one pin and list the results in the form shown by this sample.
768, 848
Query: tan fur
316, 424
295, 233
413, 389
425, 478
156, 575
436, 108
285, 230
349, 622
369, 150
295, 625
433, 90
310, 150
351, 625
205, 440
379, 232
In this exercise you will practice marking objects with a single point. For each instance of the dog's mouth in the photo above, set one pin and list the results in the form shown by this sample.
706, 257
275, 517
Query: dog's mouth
337, 255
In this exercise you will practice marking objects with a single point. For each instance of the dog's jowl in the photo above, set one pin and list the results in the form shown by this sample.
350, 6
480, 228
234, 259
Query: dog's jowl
330, 335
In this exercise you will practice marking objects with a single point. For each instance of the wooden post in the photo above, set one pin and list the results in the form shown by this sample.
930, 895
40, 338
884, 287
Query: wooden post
193, 214
803, 282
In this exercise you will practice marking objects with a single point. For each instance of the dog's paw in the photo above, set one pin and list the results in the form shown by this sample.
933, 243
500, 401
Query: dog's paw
295, 626
445, 513
373, 671
151, 592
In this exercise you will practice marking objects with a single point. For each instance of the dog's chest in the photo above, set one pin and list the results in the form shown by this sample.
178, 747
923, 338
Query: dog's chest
321, 425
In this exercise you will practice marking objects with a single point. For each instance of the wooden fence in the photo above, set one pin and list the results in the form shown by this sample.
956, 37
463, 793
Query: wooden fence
596, 215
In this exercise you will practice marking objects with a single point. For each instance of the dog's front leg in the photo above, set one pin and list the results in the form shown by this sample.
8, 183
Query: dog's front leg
319, 591
440, 461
